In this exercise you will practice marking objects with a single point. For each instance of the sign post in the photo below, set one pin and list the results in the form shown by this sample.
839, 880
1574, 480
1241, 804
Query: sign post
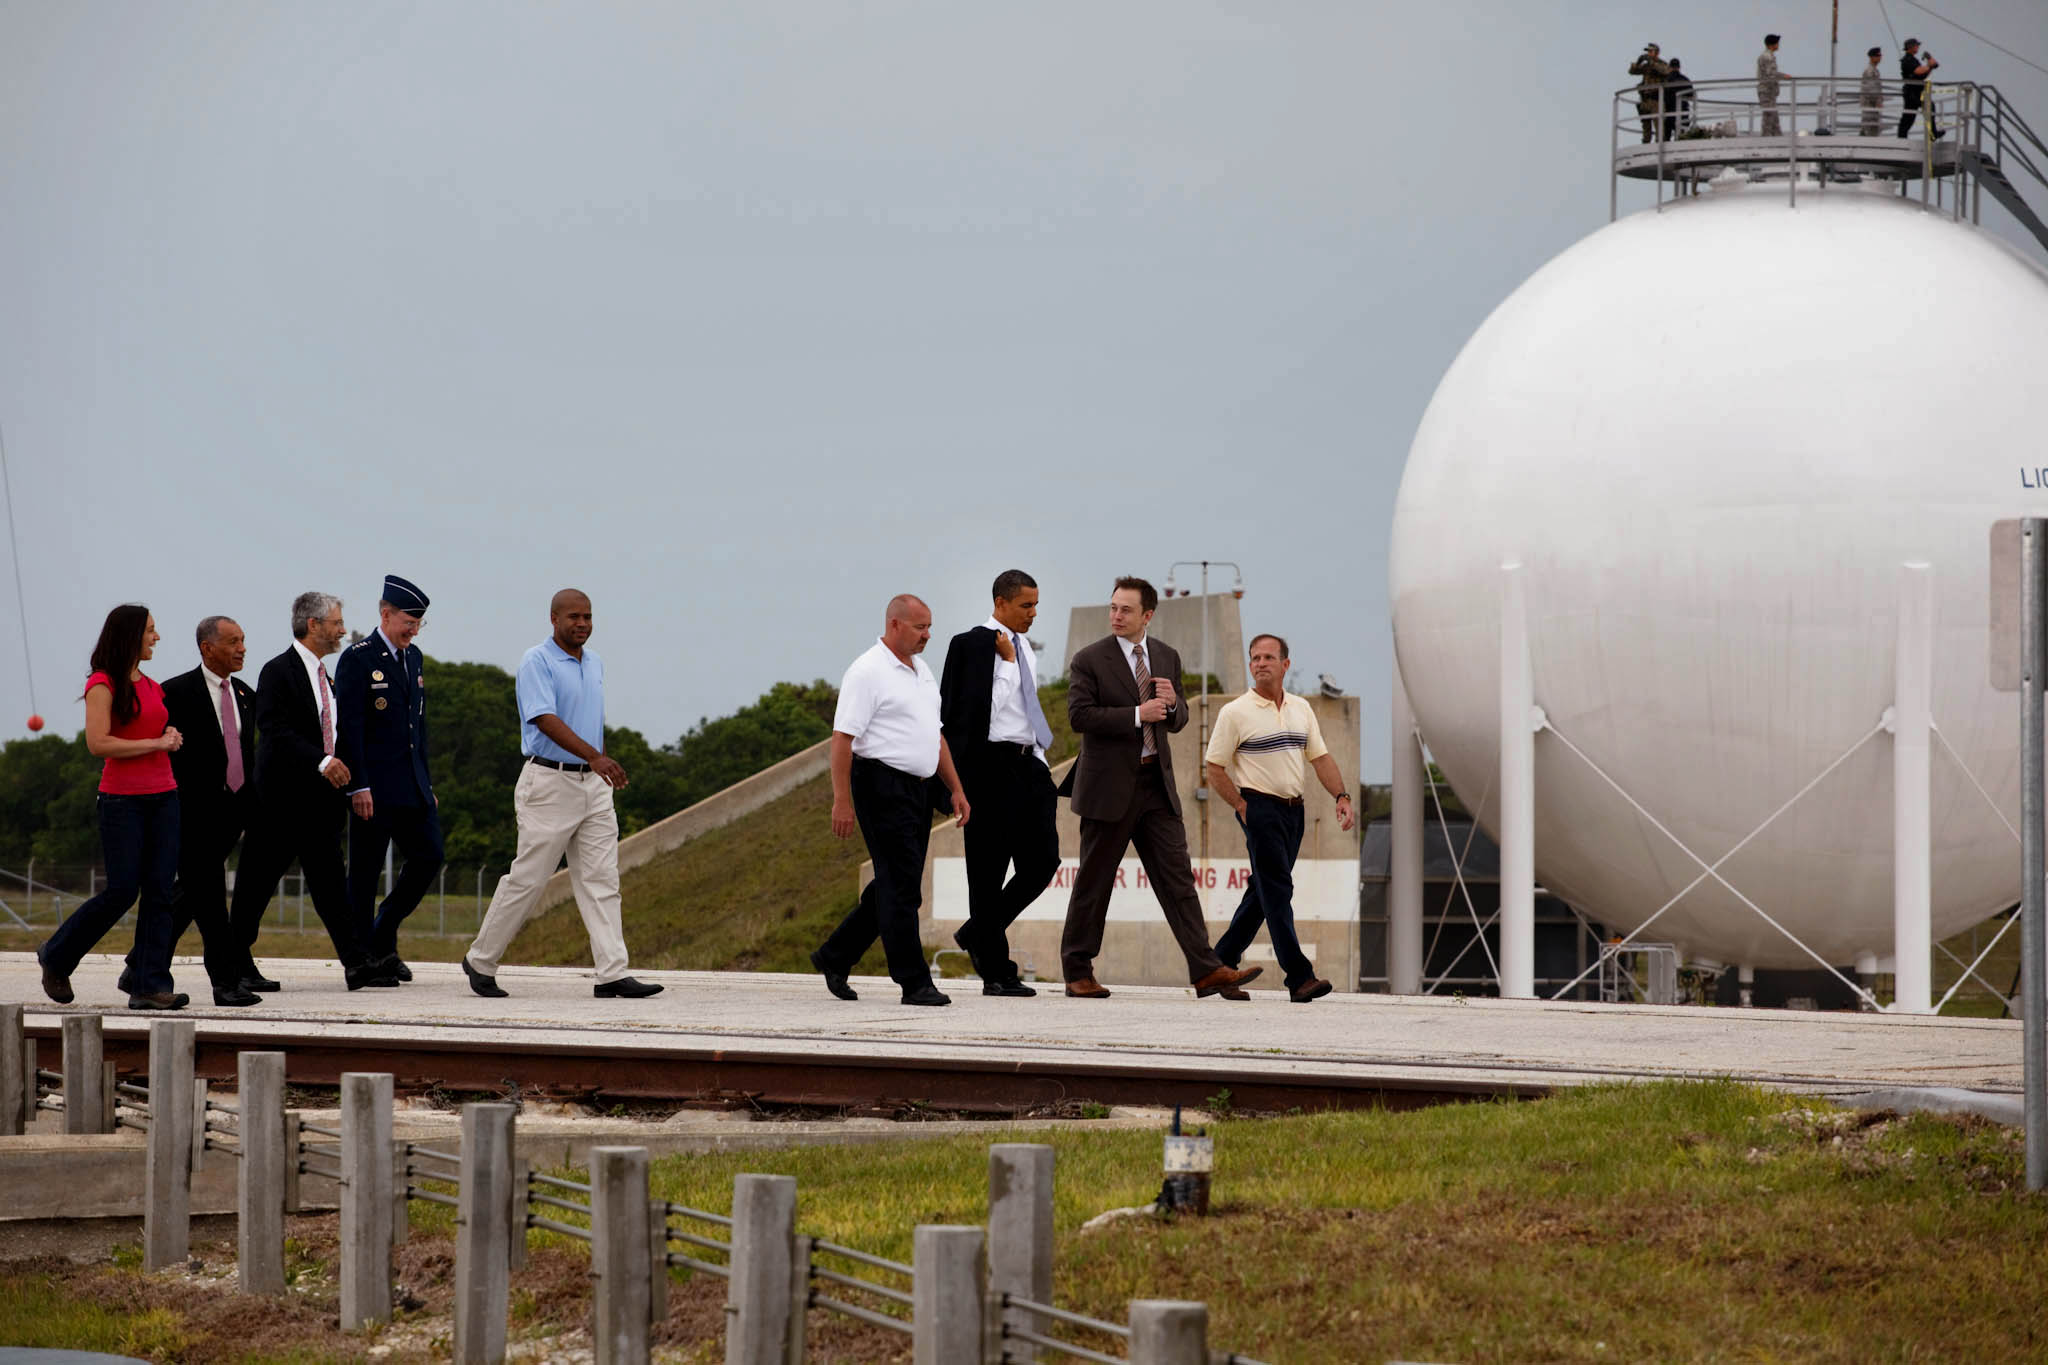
2033, 865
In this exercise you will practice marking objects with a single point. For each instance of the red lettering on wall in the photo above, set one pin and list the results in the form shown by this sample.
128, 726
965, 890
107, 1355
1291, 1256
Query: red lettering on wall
1120, 876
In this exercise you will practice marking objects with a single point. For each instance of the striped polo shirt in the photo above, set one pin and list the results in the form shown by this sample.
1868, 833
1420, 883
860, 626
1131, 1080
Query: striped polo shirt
1265, 747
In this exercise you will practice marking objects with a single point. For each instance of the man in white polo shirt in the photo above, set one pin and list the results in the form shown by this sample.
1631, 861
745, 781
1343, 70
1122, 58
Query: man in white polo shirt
1258, 758
885, 747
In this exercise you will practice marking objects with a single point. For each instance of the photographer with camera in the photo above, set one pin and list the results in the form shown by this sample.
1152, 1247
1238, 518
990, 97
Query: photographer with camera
1914, 66
1650, 89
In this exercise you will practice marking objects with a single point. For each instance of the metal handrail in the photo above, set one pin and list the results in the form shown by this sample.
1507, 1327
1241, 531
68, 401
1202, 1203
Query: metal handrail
685, 1211
1065, 1348
130, 1088
677, 1258
334, 1133
534, 1220
536, 1178
692, 1239
414, 1149
867, 1315
564, 1204
413, 1191
1062, 1315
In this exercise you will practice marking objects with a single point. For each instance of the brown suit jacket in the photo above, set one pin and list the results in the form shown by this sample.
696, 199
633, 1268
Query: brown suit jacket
1100, 695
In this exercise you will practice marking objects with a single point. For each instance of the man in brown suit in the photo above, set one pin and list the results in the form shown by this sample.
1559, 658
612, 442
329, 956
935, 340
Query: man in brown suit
1123, 699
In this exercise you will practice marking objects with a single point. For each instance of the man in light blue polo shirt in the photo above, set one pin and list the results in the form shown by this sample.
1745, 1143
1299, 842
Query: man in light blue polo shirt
563, 801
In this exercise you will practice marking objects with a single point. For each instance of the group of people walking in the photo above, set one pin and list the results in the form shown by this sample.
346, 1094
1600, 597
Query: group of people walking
973, 743
203, 762
1665, 101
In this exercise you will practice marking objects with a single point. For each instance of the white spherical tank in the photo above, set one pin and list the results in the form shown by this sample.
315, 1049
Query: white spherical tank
1712, 436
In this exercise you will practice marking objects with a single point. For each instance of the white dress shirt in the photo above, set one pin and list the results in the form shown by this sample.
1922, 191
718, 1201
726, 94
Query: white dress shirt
1007, 721
1130, 649
213, 686
316, 673
891, 709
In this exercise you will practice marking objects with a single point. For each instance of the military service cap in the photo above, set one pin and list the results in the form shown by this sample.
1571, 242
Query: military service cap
404, 596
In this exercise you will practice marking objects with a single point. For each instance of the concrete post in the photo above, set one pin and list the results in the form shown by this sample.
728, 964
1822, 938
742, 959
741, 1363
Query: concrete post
657, 1262
14, 1119
401, 1202
763, 1247
947, 1308
365, 1199
1167, 1332
1912, 794
294, 1134
799, 1300
483, 1237
198, 1125
259, 1199
85, 1098
618, 1254
1020, 1183
1404, 881
30, 1059
516, 1212
167, 1169
1517, 793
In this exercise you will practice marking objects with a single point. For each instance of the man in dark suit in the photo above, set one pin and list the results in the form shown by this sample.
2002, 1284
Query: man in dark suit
215, 768
1123, 698
988, 704
383, 701
299, 783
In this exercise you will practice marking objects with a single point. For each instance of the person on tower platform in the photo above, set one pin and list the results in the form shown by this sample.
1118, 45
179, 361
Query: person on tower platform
1767, 87
1915, 67
1652, 68
1870, 94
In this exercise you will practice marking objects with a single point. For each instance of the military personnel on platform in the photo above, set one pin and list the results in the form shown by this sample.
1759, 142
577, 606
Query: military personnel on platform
382, 699
1650, 89
1767, 87
1871, 94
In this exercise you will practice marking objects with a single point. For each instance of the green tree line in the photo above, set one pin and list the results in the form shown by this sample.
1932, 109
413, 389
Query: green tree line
47, 782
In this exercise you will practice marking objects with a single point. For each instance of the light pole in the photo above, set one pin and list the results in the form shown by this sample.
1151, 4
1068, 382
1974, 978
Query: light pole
1202, 749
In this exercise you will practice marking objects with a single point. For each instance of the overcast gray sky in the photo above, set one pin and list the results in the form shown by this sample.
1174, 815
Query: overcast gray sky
744, 317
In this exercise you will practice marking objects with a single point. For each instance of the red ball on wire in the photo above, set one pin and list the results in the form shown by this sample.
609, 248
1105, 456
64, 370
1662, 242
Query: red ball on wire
35, 722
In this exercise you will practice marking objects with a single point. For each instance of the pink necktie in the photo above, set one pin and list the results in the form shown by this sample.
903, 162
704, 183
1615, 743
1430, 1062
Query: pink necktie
326, 713
231, 735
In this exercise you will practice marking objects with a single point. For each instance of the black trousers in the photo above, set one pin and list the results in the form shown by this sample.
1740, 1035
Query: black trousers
417, 832
209, 827
1272, 836
1162, 843
895, 817
139, 843
308, 833
1014, 823
1906, 121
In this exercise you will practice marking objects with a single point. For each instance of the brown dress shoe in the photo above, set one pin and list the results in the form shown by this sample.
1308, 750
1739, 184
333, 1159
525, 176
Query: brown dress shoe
1087, 988
1315, 988
1223, 978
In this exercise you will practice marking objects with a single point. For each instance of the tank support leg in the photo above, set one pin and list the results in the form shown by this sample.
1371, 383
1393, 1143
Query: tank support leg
1517, 792
1404, 898
1912, 830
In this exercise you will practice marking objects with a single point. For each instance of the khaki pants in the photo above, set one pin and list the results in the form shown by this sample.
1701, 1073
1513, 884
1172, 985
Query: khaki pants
559, 813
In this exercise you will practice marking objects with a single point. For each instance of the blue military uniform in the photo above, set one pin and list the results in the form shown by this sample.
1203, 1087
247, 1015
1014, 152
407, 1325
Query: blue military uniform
381, 734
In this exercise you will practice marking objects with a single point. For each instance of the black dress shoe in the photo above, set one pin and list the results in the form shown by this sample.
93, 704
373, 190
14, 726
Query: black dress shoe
394, 966
126, 985
974, 958
369, 974
483, 985
159, 1000
927, 995
58, 986
235, 995
1014, 986
256, 982
835, 982
625, 988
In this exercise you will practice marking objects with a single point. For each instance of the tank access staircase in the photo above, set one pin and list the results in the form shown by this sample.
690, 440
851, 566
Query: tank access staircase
1816, 130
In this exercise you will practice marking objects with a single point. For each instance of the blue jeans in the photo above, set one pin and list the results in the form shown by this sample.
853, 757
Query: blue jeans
1272, 836
139, 840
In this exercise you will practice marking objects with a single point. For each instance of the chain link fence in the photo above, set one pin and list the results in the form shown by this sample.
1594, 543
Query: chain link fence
41, 895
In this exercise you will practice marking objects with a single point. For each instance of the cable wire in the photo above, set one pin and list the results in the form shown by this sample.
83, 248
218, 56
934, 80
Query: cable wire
1881, 9
14, 548
1978, 36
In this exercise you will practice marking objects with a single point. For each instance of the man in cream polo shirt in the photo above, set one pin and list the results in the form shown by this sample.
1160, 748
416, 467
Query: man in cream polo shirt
886, 745
1259, 754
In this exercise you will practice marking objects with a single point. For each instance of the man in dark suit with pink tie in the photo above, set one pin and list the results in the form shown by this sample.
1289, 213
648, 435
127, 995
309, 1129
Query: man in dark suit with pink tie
1123, 699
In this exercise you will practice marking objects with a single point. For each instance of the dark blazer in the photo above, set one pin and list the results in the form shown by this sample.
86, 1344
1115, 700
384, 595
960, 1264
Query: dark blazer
288, 747
382, 730
201, 766
967, 689
1100, 695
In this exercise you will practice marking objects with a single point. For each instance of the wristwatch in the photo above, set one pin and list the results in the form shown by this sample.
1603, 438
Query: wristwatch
1341, 796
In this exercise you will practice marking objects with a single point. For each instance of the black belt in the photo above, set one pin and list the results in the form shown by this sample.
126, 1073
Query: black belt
1010, 746
558, 767
1268, 796
1148, 760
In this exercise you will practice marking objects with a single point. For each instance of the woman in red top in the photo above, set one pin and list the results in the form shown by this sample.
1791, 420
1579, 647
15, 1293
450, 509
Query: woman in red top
126, 724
